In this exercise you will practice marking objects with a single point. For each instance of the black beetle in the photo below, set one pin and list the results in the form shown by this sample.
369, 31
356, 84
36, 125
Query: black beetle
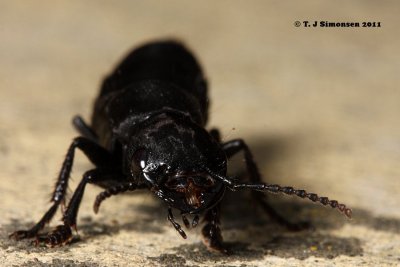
147, 132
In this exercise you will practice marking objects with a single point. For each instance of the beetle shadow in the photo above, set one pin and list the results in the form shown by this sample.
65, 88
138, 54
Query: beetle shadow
249, 234
144, 218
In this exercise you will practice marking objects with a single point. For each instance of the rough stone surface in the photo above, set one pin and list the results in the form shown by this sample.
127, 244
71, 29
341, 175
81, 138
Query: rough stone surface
318, 106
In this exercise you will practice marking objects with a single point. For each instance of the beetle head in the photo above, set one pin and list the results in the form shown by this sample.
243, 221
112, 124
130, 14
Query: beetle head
170, 159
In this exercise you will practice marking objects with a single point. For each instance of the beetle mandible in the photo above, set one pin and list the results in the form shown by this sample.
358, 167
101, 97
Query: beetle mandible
147, 132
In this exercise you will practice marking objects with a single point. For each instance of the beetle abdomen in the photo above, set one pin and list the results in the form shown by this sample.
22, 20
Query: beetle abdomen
168, 61
154, 77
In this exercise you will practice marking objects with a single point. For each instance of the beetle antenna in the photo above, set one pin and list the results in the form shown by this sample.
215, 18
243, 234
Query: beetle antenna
288, 190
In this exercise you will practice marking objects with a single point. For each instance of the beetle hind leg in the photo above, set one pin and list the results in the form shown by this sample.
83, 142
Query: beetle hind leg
84, 129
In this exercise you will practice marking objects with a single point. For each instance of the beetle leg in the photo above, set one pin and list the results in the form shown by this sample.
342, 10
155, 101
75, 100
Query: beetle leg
96, 154
237, 145
21, 234
211, 232
81, 126
62, 233
93, 176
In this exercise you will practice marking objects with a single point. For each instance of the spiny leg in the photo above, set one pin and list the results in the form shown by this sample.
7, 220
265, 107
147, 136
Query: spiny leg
211, 232
63, 234
96, 154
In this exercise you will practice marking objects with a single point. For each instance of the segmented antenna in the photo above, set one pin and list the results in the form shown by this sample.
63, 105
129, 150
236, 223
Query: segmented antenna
111, 192
274, 188
288, 190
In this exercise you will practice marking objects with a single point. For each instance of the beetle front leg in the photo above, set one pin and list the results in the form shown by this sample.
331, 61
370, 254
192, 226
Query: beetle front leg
237, 145
96, 154
211, 232
63, 234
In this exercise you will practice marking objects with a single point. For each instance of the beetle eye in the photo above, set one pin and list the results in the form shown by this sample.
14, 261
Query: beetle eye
138, 161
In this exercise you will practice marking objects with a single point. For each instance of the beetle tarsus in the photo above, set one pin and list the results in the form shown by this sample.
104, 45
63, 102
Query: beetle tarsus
22, 234
60, 236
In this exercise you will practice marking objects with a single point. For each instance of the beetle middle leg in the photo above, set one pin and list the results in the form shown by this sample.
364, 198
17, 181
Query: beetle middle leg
237, 145
96, 154
211, 232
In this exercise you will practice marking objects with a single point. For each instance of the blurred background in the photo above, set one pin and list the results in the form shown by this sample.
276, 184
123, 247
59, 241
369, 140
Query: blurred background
318, 106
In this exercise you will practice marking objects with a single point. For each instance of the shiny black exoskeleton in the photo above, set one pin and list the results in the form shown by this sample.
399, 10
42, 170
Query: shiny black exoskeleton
147, 132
